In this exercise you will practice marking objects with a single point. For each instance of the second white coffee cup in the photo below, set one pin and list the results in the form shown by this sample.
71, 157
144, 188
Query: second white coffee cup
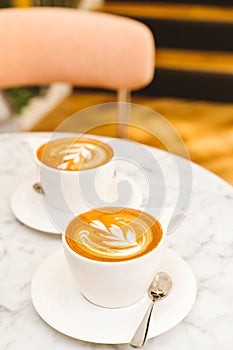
67, 190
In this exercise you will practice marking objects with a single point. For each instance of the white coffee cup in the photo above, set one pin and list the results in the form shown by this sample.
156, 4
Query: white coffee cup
68, 190
113, 284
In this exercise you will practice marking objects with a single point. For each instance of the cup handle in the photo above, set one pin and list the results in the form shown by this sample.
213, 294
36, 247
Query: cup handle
169, 221
174, 221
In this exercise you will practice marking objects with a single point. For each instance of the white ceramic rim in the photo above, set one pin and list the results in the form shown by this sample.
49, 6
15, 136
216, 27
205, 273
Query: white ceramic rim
129, 261
73, 171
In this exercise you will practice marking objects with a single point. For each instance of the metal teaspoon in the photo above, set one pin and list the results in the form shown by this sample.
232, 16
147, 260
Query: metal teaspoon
159, 289
37, 187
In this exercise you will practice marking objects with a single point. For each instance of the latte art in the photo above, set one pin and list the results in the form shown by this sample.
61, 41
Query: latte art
114, 240
107, 235
74, 154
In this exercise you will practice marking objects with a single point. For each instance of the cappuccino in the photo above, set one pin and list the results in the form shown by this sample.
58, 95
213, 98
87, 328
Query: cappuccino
113, 234
72, 154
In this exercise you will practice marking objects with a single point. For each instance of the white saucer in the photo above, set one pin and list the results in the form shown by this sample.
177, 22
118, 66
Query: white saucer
29, 207
60, 304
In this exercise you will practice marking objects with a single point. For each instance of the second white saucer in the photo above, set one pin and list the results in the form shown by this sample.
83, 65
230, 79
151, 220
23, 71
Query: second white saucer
29, 206
58, 301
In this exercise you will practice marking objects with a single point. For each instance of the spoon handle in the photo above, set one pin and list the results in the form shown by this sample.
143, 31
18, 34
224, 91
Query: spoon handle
140, 335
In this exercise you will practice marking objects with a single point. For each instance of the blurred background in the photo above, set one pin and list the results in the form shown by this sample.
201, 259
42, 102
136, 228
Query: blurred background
192, 86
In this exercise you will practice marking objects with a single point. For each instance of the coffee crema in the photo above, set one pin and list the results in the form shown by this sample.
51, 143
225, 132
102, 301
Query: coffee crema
74, 154
113, 234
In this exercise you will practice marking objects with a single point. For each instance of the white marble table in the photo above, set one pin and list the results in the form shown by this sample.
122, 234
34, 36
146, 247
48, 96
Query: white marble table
204, 240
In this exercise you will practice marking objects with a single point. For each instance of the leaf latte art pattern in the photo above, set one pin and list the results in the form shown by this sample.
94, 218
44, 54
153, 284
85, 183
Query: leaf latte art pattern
112, 240
111, 236
74, 154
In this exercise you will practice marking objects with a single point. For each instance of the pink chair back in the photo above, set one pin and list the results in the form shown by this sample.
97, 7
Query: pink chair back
39, 46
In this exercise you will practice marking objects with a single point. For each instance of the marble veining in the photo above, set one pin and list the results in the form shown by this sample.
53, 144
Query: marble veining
204, 239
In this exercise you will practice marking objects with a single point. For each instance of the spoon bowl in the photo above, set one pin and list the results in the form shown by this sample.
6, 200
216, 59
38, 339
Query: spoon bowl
160, 286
